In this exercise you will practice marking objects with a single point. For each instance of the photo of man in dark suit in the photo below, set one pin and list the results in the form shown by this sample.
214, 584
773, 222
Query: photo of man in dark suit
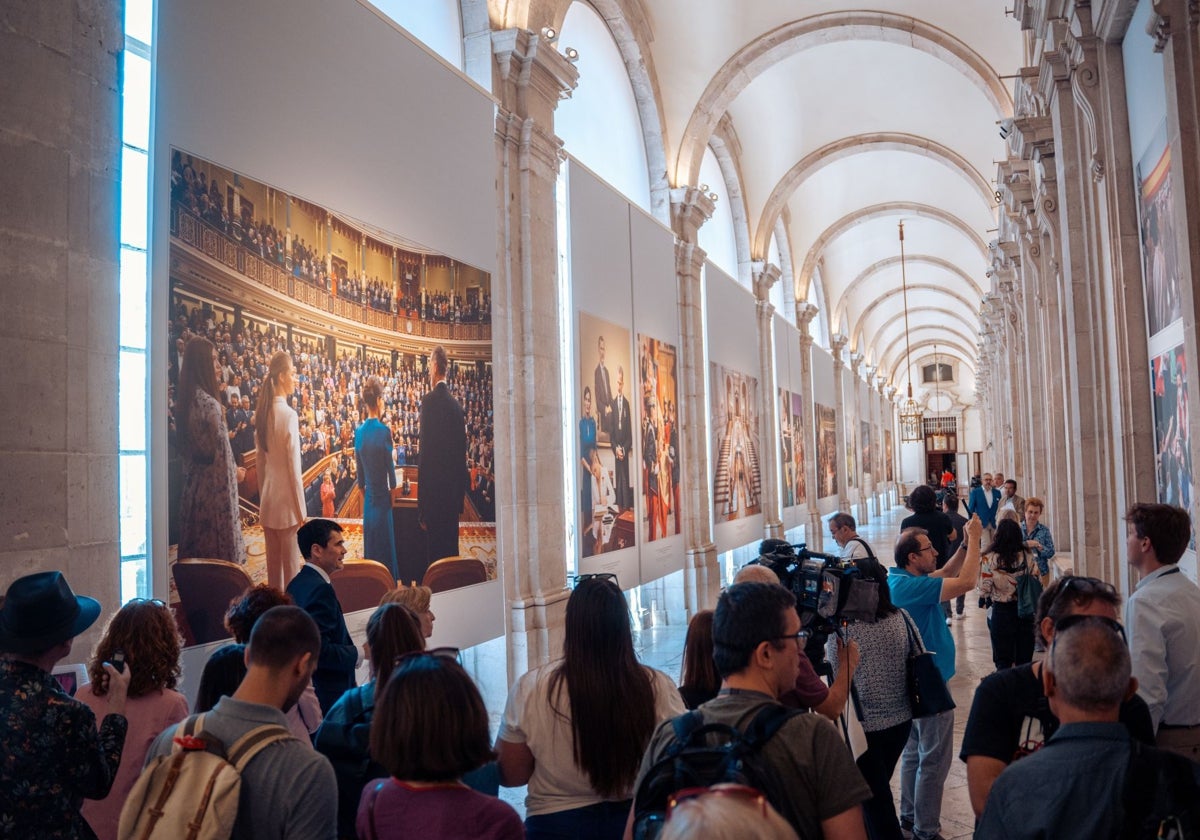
603, 390
442, 475
622, 442
323, 549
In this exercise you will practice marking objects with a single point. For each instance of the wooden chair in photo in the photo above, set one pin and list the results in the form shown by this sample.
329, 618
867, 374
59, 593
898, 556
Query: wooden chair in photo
361, 584
453, 572
206, 587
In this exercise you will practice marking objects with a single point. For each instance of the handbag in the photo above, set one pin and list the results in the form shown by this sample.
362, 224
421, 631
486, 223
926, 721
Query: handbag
927, 691
1029, 590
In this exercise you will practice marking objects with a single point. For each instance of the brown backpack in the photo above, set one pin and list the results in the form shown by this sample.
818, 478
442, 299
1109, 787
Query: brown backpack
192, 792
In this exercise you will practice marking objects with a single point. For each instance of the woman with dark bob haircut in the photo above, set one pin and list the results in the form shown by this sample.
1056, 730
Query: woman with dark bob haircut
699, 682
566, 735
393, 631
430, 728
146, 633
926, 514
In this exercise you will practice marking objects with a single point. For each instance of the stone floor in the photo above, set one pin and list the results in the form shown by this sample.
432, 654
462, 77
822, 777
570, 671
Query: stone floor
662, 647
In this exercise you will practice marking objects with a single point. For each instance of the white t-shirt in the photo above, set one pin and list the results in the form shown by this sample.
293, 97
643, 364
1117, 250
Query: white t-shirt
557, 783
854, 550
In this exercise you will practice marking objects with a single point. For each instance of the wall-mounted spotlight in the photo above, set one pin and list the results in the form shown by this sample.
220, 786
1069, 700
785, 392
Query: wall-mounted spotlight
572, 54
549, 33
704, 188
712, 196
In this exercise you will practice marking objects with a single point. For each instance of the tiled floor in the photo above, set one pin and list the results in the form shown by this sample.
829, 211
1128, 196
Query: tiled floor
662, 647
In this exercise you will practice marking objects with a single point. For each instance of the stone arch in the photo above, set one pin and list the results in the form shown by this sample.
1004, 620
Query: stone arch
875, 211
964, 356
791, 38
950, 315
911, 259
856, 328
858, 144
728, 152
964, 345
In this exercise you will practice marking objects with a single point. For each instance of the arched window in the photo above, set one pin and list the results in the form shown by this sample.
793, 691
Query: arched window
599, 125
716, 235
435, 23
820, 324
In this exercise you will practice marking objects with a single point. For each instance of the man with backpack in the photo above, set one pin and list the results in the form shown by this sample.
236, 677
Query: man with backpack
288, 790
1091, 779
843, 529
797, 760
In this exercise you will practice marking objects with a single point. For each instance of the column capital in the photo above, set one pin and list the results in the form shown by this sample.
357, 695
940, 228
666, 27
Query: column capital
805, 313
527, 62
856, 360
765, 276
869, 373
690, 208
836, 345
889, 393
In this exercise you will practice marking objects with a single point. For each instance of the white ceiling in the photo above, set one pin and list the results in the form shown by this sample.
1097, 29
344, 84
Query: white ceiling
853, 121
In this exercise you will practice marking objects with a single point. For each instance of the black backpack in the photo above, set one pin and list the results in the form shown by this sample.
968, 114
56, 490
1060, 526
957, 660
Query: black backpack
705, 754
1161, 795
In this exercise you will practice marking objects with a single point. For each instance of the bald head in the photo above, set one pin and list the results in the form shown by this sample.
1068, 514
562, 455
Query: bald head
755, 573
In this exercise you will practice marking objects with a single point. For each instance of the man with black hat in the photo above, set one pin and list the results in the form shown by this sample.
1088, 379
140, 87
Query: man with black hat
52, 756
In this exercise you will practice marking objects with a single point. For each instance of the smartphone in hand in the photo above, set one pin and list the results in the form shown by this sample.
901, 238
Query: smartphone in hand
118, 660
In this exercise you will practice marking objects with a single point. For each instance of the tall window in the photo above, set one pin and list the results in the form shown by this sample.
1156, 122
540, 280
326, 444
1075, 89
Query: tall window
599, 124
716, 235
132, 384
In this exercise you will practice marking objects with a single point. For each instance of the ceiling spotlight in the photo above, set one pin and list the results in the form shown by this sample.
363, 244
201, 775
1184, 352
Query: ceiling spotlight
549, 33
571, 53
704, 188
713, 197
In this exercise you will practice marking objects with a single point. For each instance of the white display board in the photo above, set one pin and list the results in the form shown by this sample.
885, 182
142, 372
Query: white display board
316, 98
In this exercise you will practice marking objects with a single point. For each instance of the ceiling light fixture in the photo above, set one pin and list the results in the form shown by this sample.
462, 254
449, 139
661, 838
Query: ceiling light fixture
572, 54
910, 412
549, 33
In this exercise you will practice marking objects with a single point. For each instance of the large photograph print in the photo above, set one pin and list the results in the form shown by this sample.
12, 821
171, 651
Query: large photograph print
737, 480
787, 449
868, 453
798, 448
1160, 257
319, 367
887, 455
606, 429
1173, 458
660, 465
827, 477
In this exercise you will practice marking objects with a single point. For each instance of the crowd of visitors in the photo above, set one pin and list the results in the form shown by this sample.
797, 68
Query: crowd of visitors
193, 192
327, 398
1098, 737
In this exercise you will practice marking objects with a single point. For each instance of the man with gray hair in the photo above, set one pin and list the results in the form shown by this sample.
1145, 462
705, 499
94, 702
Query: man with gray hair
843, 529
1076, 785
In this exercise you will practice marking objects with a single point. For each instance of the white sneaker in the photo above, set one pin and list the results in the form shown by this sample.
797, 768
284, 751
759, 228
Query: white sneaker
949, 622
960, 616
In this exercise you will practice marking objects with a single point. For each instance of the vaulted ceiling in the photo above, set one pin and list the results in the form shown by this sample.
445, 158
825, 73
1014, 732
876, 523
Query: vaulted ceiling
848, 122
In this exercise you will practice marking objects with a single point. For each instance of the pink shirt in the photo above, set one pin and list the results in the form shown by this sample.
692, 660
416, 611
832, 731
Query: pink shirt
148, 715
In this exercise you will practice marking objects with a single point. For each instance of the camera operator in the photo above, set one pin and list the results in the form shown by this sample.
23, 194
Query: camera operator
810, 691
842, 528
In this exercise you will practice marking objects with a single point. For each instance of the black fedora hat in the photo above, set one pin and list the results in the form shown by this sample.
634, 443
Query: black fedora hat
40, 611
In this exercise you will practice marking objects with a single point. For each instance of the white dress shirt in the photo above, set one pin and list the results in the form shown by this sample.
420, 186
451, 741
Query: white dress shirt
1162, 619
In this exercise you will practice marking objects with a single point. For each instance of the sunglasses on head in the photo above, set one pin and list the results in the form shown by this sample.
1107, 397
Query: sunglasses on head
1074, 620
740, 792
1081, 586
434, 653
598, 576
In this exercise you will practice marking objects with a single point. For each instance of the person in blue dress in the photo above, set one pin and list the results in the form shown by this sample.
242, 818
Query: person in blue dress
587, 442
376, 477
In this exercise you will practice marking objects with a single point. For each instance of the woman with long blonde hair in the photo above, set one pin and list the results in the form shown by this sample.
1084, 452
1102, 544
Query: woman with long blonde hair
281, 493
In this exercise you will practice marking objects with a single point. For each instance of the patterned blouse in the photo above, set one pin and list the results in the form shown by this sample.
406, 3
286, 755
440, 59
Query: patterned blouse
51, 756
880, 681
1001, 585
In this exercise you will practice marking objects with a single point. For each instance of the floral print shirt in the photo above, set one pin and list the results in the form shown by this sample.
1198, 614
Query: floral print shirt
51, 756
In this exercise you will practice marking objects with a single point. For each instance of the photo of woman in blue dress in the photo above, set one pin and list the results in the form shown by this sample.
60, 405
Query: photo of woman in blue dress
376, 477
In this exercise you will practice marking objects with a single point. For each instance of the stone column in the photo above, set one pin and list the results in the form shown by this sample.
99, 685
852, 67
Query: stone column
61, 134
869, 459
854, 436
691, 208
529, 79
836, 346
814, 534
765, 276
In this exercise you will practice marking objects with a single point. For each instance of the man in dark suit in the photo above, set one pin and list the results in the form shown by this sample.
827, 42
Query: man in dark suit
442, 474
323, 549
622, 442
603, 390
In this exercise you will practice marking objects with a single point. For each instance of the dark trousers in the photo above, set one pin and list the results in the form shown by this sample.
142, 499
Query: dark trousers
960, 602
602, 821
877, 765
442, 533
1012, 637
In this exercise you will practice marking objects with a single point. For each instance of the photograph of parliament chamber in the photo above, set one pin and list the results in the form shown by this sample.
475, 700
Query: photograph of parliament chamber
835, 251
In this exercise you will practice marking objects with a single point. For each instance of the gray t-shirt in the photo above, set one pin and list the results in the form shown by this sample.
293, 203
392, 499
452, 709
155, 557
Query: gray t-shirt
288, 790
808, 756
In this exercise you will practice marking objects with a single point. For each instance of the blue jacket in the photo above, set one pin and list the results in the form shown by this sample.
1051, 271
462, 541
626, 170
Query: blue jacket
977, 503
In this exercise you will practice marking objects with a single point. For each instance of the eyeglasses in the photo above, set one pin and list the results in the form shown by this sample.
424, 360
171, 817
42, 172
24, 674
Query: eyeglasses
597, 576
801, 637
926, 548
433, 653
740, 792
158, 602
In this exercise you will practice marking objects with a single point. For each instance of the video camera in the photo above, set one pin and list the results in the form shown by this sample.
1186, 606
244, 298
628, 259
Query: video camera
829, 592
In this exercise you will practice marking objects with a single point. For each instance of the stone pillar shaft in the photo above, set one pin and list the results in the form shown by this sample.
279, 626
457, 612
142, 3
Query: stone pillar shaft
814, 533
839, 400
764, 277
